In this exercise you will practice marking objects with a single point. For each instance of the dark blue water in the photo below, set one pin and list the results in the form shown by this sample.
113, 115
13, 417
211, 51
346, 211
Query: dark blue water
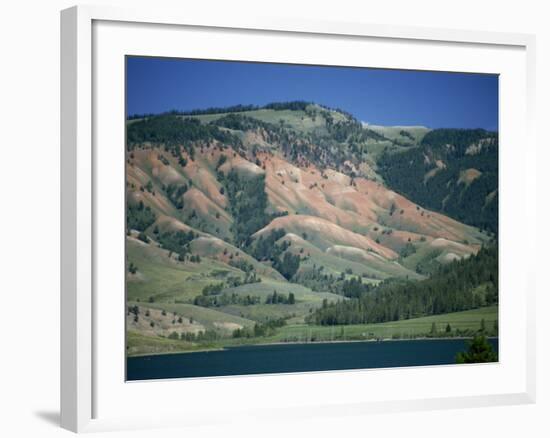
288, 358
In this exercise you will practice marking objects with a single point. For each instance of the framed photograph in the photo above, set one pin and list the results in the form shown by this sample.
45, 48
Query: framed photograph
271, 217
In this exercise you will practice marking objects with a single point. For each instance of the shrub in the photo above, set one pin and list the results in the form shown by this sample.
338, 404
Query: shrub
479, 351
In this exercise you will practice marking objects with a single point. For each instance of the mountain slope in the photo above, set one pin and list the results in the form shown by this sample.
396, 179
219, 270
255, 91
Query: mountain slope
452, 171
226, 209
189, 184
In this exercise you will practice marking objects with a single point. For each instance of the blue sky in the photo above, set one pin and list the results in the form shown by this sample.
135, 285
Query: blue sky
376, 96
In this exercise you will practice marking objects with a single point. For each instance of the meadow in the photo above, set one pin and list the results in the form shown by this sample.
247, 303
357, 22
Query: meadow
462, 324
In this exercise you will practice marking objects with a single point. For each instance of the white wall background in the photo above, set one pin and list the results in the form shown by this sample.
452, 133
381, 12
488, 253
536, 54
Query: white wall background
29, 217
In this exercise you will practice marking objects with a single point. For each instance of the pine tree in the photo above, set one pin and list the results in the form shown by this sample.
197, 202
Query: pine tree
479, 351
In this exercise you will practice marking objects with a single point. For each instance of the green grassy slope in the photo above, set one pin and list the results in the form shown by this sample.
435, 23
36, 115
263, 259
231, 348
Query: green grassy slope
306, 300
296, 119
210, 318
402, 133
166, 279
137, 344
463, 321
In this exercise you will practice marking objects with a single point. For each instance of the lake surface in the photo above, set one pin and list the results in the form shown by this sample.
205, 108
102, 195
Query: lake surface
288, 358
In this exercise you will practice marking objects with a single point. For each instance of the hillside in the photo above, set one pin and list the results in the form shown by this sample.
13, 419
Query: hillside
458, 286
248, 218
452, 171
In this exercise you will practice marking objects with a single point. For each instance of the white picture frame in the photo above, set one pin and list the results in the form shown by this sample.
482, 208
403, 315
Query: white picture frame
83, 380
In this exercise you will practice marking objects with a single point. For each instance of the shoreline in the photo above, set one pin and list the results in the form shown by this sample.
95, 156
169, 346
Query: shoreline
162, 353
444, 338
265, 344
